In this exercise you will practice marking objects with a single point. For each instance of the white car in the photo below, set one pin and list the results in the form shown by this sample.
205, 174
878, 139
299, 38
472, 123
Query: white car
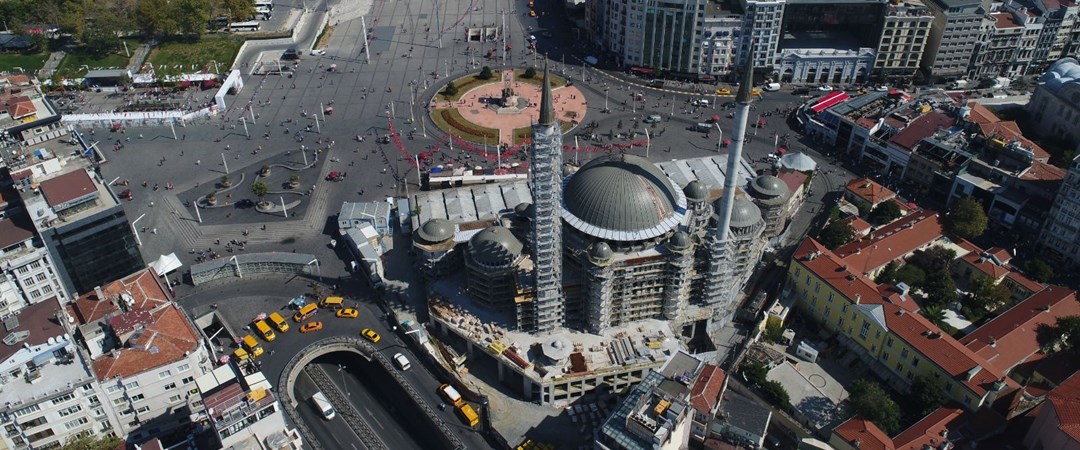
825, 88
318, 52
882, 88
401, 361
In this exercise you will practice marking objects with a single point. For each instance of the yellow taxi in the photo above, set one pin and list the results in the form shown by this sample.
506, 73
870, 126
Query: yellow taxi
532, 13
370, 334
755, 92
311, 326
348, 313
723, 91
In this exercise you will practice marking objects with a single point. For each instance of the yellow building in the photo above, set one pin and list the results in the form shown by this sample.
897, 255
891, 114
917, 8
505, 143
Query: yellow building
882, 327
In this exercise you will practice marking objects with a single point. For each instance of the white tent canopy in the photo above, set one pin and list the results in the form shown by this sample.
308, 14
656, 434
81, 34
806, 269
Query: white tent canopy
166, 264
798, 161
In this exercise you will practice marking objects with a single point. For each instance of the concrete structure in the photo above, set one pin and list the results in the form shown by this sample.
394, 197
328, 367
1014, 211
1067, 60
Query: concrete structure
660, 36
1010, 46
28, 275
954, 37
82, 224
904, 35
492, 263
365, 246
1060, 235
48, 390
761, 36
243, 411
743, 417
144, 352
356, 214
656, 413
808, 57
1055, 106
545, 170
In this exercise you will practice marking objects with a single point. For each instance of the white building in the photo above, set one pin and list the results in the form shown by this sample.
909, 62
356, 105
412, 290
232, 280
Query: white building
47, 389
954, 36
26, 272
145, 353
243, 411
721, 30
761, 23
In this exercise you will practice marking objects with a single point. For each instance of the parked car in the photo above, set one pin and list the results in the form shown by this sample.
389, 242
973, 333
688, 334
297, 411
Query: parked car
825, 88
348, 313
371, 335
311, 327
654, 118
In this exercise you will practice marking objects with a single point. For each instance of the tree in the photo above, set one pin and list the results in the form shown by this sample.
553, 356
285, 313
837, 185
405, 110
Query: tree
777, 395
450, 89
926, 392
935, 314
986, 83
92, 443
1063, 336
755, 373
529, 73
933, 259
834, 212
1038, 270
885, 213
911, 275
259, 189
153, 18
869, 401
485, 73
940, 288
774, 329
888, 273
987, 294
238, 9
835, 234
191, 15
967, 218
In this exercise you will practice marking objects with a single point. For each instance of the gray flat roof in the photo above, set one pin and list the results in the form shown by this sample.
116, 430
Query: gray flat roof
709, 170
819, 39
364, 210
471, 203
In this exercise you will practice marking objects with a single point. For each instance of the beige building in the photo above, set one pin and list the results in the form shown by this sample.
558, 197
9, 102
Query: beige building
903, 38
1010, 46
954, 36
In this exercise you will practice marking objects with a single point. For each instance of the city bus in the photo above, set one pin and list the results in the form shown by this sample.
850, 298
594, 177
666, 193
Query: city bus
244, 26
306, 312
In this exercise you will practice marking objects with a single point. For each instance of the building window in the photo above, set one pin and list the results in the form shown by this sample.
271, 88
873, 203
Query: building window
187, 380
76, 423
903, 353
35, 293
132, 385
164, 374
843, 308
865, 329
885, 356
119, 401
62, 399
143, 409
28, 281
175, 398
915, 362
23, 270
46, 289
70, 410
138, 398
27, 410
35, 265
170, 386
840, 323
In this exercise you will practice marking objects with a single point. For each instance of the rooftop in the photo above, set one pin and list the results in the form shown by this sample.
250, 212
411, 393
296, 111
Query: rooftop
709, 170
1066, 402
892, 241
1012, 337
833, 271
870, 437
369, 211
744, 413
1004, 20
705, 393
869, 190
15, 229
920, 128
141, 289
471, 203
49, 347
168, 339
67, 187
622, 197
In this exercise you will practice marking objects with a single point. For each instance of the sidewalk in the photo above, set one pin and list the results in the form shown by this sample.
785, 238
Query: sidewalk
51, 64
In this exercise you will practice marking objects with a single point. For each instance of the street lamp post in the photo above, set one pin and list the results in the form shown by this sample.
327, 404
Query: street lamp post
720, 140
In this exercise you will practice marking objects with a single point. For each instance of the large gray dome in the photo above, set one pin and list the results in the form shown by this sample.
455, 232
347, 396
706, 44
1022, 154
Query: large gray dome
622, 198
744, 213
436, 230
696, 191
495, 246
769, 186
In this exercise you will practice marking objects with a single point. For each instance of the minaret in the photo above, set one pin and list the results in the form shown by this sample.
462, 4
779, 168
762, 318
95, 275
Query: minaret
742, 114
545, 184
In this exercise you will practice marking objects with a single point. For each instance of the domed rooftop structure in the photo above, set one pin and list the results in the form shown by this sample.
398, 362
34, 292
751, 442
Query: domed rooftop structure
600, 252
523, 209
744, 213
679, 241
436, 230
769, 186
1064, 72
622, 198
696, 191
495, 246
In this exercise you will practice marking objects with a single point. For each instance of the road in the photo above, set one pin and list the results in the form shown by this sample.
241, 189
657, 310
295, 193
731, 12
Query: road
333, 434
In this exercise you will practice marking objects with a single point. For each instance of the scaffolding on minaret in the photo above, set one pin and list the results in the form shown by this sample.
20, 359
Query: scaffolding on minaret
545, 183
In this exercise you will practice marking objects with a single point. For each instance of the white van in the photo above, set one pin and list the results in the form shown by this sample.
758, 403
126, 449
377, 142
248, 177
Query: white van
401, 361
323, 405
772, 87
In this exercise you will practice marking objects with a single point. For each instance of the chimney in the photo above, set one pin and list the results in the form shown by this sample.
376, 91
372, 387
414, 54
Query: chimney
99, 293
858, 297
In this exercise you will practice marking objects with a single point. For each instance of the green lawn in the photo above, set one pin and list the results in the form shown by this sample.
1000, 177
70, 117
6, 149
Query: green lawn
28, 62
202, 52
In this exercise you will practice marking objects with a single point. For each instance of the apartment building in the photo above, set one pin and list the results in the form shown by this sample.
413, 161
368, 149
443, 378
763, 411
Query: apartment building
954, 36
1060, 235
880, 324
660, 36
27, 275
761, 34
144, 351
47, 389
904, 35
1010, 47
721, 32
243, 411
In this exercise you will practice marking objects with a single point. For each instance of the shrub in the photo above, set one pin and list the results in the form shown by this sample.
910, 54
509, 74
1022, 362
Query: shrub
529, 73
485, 73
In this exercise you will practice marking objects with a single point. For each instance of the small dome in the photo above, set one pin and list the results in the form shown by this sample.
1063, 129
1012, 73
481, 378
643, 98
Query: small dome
769, 186
679, 241
695, 191
522, 209
600, 252
495, 246
436, 230
744, 213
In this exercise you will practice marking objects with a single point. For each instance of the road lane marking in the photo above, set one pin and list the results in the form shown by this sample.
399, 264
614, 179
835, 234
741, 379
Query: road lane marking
373, 418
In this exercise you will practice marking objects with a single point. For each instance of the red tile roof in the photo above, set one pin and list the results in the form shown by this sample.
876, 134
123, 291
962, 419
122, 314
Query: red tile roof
1004, 20
945, 351
1001, 254
1040, 171
67, 187
39, 319
1066, 401
1010, 339
706, 391
985, 265
832, 271
1008, 131
893, 241
860, 226
870, 437
21, 109
793, 179
869, 190
165, 341
980, 114
931, 430
15, 230
143, 287
920, 128
1027, 283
